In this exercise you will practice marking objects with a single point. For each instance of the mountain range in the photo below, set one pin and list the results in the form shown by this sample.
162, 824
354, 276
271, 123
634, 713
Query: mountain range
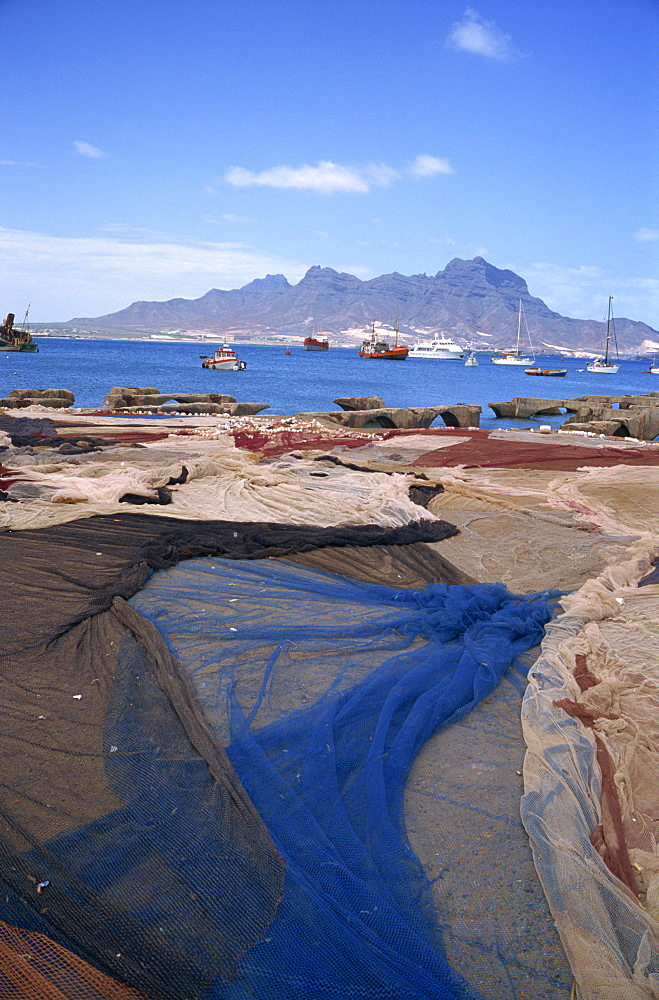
470, 300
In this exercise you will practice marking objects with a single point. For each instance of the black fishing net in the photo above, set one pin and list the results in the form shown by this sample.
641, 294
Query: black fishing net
126, 836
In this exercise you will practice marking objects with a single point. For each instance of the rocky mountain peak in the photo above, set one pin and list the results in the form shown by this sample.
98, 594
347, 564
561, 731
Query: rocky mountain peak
468, 299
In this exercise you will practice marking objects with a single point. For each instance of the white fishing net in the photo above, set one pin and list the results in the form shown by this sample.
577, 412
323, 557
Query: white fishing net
221, 483
610, 631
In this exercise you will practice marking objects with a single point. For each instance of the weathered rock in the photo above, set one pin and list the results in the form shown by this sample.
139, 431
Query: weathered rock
246, 409
56, 403
651, 399
42, 394
636, 422
524, 407
453, 415
186, 408
456, 415
130, 395
360, 403
120, 390
125, 398
158, 398
221, 397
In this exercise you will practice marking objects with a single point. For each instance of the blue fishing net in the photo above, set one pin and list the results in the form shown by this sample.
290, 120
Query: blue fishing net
325, 690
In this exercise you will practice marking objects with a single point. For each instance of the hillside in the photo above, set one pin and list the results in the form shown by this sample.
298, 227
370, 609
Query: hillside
470, 299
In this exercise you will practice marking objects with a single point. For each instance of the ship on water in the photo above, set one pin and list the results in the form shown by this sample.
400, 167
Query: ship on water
382, 349
17, 338
316, 342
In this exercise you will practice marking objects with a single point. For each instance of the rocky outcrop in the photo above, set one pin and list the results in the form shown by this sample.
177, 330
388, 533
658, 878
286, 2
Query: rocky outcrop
153, 401
407, 418
55, 399
636, 416
523, 407
360, 402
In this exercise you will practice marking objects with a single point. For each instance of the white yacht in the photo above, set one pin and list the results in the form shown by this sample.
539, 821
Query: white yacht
441, 348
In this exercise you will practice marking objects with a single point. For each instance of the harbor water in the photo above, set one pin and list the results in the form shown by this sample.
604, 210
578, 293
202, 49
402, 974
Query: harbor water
303, 381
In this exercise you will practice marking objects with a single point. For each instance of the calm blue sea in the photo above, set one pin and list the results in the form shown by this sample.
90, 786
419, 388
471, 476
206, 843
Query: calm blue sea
303, 380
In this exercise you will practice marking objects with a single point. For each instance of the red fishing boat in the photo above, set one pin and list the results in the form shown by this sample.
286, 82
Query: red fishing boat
374, 348
315, 343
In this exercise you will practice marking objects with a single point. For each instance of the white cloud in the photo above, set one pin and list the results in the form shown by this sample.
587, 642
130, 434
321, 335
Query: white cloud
483, 38
8, 163
379, 174
429, 166
646, 235
123, 229
86, 149
326, 177
93, 275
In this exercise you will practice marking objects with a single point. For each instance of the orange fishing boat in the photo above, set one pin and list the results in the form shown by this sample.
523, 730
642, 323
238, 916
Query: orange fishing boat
382, 349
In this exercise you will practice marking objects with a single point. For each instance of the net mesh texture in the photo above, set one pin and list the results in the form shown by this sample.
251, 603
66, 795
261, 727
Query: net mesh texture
325, 691
132, 842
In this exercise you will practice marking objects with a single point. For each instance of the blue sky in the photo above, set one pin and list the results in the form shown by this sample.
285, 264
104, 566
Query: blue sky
155, 150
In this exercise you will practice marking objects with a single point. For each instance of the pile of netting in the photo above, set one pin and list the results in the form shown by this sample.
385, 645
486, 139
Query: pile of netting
445, 446
323, 854
591, 803
192, 478
228, 773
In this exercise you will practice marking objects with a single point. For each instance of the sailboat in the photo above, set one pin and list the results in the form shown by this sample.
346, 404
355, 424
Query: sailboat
602, 366
513, 357
472, 360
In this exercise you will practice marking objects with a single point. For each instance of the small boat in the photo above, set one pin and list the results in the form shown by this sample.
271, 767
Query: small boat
287, 351
224, 360
513, 357
441, 348
382, 350
602, 366
551, 372
653, 369
14, 338
472, 360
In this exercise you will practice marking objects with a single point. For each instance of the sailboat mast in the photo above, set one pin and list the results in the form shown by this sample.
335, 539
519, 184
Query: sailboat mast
519, 325
608, 327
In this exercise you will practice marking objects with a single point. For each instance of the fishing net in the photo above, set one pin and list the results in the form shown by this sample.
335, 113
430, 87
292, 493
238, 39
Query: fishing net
445, 446
133, 842
214, 481
592, 779
325, 691
259, 779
